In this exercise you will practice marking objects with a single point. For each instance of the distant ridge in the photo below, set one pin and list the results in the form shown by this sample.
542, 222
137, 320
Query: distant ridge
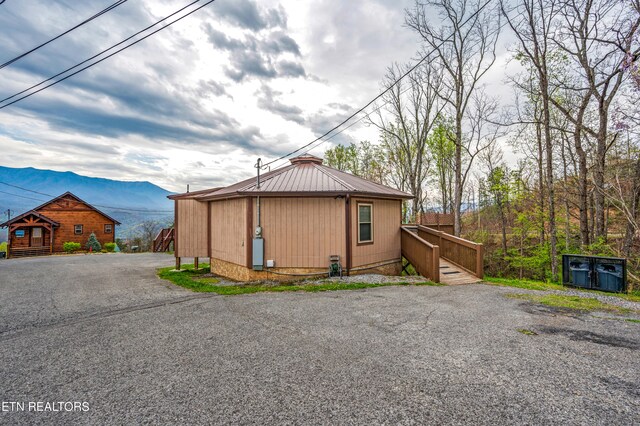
106, 194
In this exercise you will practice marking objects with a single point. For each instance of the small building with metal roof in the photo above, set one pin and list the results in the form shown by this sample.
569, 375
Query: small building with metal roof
292, 222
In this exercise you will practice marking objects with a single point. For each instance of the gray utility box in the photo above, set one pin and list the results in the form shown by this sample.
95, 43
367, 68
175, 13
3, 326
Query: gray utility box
258, 254
594, 272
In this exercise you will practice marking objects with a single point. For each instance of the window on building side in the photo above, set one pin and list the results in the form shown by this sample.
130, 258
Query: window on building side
107, 228
77, 229
365, 223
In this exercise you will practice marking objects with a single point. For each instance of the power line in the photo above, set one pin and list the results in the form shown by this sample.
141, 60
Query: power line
21, 196
96, 205
424, 58
320, 142
104, 51
102, 12
24, 189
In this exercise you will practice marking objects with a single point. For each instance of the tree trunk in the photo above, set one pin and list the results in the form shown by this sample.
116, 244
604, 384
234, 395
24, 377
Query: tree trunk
541, 180
544, 83
457, 200
634, 211
583, 191
598, 179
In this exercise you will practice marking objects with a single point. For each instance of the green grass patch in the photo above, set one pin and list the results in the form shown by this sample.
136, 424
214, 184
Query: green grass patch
632, 320
569, 302
633, 296
193, 280
208, 280
524, 283
527, 332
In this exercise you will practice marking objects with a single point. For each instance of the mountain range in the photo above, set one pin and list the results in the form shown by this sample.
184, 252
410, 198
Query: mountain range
131, 203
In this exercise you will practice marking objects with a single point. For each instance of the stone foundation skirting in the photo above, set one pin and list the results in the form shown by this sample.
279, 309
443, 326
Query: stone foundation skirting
242, 273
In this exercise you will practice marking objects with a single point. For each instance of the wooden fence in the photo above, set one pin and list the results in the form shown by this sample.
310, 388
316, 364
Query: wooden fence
424, 256
438, 221
466, 254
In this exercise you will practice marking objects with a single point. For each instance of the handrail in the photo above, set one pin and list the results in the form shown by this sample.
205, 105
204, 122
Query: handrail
424, 256
464, 253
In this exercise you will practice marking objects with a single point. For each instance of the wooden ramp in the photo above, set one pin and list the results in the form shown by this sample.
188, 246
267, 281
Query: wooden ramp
451, 274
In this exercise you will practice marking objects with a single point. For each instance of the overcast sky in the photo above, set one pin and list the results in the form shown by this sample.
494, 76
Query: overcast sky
199, 102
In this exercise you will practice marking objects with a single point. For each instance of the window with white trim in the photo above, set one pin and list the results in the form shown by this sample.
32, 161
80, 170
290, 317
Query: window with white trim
365, 223
108, 229
77, 229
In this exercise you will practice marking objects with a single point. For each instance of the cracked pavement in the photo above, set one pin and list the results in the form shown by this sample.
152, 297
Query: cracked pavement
105, 330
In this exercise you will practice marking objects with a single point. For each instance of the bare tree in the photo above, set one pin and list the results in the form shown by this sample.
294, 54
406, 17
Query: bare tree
532, 22
464, 45
599, 37
405, 119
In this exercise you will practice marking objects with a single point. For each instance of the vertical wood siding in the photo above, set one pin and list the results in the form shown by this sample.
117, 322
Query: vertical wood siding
229, 230
301, 232
192, 228
386, 232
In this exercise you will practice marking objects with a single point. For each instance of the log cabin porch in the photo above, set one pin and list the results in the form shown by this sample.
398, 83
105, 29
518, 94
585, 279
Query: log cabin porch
30, 234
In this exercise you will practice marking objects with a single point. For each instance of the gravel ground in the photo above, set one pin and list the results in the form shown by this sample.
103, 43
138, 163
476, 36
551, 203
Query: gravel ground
390, 355
364, 278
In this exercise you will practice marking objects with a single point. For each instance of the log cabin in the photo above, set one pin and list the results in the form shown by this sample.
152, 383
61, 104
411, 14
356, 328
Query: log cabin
44, 229
299, 220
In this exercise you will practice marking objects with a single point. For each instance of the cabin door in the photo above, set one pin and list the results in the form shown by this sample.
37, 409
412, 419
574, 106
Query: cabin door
36, 237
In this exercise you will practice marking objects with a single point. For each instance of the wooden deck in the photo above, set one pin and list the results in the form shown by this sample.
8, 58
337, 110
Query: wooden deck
451, 274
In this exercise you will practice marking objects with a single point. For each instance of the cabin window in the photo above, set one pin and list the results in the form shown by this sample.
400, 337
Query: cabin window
20, 233
365, 223
77, 229
107, 228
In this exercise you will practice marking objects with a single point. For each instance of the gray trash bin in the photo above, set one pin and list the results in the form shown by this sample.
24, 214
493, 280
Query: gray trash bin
609, 277
580, 274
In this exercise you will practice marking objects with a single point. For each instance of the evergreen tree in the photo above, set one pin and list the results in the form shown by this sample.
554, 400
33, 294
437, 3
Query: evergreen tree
92, 243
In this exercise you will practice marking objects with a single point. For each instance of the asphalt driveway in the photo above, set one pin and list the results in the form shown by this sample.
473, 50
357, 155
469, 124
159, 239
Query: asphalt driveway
138, 350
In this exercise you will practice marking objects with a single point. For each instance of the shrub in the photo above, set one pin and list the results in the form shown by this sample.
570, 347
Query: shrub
93, 244
109, 247
3, 246
71, 247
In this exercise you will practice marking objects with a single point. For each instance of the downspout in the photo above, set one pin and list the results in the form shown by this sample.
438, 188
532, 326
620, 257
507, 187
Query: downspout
347, 210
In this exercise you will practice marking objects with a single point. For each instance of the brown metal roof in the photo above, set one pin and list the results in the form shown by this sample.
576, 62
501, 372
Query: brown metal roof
305, 176
192, 194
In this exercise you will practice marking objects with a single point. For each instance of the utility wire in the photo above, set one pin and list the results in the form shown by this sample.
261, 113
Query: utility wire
97, 205
102, 12
21, 196
417, 64
320, 142
104, 51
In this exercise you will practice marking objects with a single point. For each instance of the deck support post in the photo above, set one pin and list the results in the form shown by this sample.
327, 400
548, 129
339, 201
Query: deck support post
195, 263
479, 261
177, 263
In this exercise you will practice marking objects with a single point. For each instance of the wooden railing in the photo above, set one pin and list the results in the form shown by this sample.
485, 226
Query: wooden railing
464, 253
163, 240
29, 251
424, 256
